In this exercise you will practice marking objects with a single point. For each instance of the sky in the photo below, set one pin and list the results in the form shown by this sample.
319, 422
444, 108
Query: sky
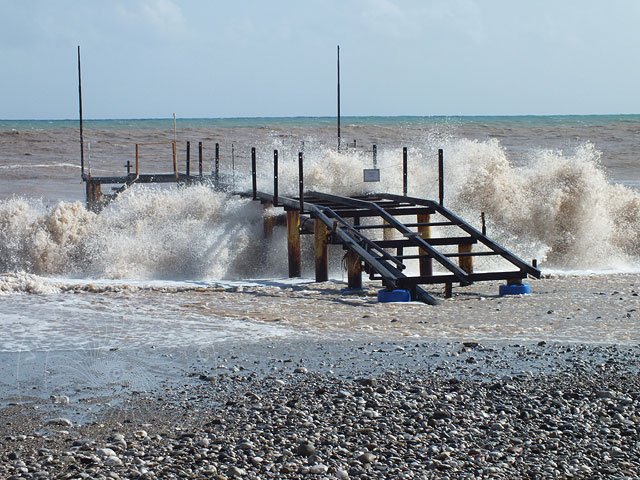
253, 58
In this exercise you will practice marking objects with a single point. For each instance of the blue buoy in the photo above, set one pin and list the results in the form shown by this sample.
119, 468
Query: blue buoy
398, 295
515, 289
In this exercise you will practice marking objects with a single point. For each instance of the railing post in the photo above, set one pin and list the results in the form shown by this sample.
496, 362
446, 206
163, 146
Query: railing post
404, 171
200, 159
217, 164
301, 180
254, 178
441, 176
137, 162
188, 158
275, 178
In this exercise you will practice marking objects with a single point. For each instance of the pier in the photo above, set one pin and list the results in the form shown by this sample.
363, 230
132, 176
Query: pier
424, 231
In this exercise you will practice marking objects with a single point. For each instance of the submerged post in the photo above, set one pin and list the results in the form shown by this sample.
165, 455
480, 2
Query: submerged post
80, 108
404, 171
301, 180
441, 176
200, 159
254, 178
188, 158
275, 178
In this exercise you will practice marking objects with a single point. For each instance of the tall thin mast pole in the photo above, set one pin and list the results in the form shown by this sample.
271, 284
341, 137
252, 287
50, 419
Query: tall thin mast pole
80, 106
338, 97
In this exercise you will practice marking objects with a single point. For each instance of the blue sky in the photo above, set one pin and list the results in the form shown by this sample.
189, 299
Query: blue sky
210, 58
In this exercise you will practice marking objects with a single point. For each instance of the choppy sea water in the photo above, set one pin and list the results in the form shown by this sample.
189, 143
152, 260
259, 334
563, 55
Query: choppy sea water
562, 190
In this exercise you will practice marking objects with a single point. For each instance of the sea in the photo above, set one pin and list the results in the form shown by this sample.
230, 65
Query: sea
564, 190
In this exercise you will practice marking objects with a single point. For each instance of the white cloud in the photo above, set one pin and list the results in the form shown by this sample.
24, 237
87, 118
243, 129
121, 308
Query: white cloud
164, 16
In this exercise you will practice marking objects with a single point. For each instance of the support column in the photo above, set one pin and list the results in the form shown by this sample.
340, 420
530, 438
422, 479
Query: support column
268, 221
321, 237
466, 262
93, 195
426, 262
293, 243
354, 270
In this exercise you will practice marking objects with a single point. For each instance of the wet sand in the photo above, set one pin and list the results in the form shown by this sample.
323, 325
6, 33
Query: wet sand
241, 408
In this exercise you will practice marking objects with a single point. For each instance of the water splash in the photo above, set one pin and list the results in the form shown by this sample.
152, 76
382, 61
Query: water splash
558, 207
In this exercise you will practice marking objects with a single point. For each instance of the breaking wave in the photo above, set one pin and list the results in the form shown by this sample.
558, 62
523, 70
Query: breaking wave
558, 207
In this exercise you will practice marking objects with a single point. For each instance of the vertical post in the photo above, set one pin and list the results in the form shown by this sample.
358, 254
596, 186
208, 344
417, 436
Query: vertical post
441, 176
80, 108
254, 178
128, 166
137, 160
188, 158
484, 223
293, 243
301, 180
275, 178
200, 158
338, 97
268, 220
174, 148
321, 236
426, 262
354, 270
465, 260
217, 163
404, 171
233, 166
375, 156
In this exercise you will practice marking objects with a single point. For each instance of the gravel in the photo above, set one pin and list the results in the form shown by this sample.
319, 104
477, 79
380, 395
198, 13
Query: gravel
352, 410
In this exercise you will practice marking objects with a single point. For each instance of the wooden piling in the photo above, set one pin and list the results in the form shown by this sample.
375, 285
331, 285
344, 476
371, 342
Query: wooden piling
321, 237
137, 160
426, 262
301, 180
354, 270
93, 195
465, 261
200, 159
174, 149
268, 220
293, 243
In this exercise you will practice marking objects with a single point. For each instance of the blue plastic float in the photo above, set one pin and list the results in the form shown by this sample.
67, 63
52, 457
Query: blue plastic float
515, 289
398, 295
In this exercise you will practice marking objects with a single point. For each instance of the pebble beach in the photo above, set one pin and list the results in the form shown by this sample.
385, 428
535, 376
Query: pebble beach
542, 386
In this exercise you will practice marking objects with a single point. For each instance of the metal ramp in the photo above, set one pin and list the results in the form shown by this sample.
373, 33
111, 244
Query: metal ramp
387, 232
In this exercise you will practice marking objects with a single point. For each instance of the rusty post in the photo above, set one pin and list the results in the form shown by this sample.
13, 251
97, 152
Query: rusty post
200, 158
254, 178
404, 171
354, 270
293, 243
426, 262
465, 261
441, 176
188, 158
321, 237
268, 220
275, 178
